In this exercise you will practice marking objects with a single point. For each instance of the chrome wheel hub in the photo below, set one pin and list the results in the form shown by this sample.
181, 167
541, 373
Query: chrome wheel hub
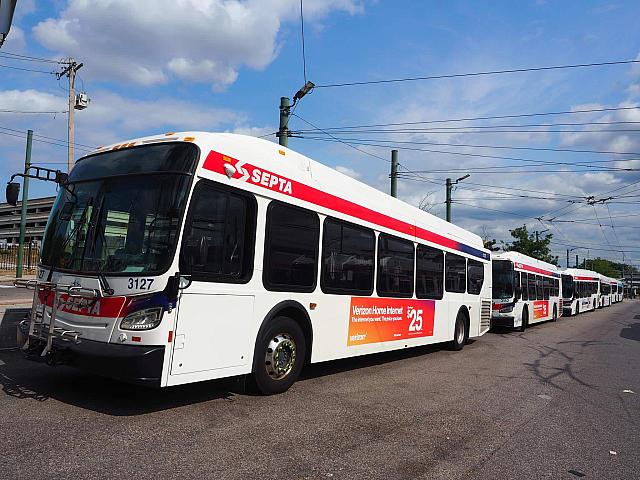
280, 356
460, 333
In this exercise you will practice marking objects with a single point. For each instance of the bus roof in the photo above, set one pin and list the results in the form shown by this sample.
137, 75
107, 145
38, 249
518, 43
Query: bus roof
581, 273
528, 263
275, 171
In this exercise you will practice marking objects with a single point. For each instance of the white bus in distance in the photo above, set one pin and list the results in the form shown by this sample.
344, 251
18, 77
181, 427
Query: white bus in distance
580, 290
525, 291
194, 256
619, 296
608, 288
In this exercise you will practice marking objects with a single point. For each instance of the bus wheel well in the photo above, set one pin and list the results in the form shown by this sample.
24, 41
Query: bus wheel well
296, 312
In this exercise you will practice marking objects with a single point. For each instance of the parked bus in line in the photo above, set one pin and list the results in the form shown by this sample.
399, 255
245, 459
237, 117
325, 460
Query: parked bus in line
193, 256
608, 290
580, 290
525, 291
619, 292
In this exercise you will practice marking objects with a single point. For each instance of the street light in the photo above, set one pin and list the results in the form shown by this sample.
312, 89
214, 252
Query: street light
450, 185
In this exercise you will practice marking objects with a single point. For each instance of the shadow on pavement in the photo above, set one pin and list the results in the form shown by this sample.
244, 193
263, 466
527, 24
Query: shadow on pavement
24, 379
631, 332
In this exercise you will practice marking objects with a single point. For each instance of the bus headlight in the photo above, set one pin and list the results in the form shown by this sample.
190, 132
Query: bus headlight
142, 319
507, 309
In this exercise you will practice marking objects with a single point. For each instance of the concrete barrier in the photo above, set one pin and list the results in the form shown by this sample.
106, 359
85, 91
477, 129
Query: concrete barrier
9, 319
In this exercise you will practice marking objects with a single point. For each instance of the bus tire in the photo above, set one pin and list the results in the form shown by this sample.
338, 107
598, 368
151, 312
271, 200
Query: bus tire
279, 356
460, 332
577, 308
525, 320
554, 318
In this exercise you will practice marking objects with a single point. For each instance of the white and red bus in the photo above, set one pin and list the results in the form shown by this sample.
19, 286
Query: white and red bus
193, 256
608, 290
580, 290
619, 289
525, 291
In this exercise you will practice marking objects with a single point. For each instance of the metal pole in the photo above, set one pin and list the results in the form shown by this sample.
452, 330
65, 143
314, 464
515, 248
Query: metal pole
70, 119
567, 258
394, 173
283, 131
448, 200
25, 197
576, 260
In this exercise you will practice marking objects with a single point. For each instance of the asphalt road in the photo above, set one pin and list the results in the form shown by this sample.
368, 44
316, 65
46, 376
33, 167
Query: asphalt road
534, 405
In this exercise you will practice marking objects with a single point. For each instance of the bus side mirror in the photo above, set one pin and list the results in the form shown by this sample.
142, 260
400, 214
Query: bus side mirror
13, 190
518, 292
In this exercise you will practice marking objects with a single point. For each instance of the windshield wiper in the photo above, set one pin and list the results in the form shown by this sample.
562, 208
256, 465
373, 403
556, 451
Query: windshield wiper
104, 284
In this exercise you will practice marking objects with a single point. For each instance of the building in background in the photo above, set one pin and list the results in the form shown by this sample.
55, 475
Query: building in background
37, 214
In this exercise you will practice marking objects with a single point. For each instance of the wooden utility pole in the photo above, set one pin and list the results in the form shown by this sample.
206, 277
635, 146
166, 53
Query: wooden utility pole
70, 72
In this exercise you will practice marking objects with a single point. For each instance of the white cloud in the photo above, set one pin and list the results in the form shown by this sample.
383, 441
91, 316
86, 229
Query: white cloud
348, 171
15, 40
147, 41
31, 100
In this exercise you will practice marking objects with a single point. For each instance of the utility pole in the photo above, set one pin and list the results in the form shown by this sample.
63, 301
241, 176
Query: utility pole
448, 199
394, 173
70, 72
576, 260
567, 258
283, 131
25, 198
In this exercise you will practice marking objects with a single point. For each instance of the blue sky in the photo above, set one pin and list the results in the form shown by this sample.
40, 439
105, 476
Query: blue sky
155, 66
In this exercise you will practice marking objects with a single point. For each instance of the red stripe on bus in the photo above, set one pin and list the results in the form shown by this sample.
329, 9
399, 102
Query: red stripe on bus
107, 307
529, 268
586, 279
215, 162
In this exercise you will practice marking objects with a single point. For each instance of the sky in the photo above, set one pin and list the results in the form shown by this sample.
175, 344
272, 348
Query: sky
153, 66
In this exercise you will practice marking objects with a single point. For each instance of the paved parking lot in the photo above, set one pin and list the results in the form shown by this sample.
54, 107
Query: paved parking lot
541, 404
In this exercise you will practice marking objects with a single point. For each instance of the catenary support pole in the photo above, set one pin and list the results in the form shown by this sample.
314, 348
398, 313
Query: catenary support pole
25, 198
448, 199
394, 173
283, 131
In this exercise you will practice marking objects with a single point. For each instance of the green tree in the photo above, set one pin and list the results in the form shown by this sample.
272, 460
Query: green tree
526, 243
608, 268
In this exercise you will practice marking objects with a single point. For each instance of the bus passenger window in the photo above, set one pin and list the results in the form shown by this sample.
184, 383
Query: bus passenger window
517, 289
429, 272
455, 273
475, 276
395, 266
532, 286
539, 292
525, 286
291, 248
347, 258
219, 236
546, 283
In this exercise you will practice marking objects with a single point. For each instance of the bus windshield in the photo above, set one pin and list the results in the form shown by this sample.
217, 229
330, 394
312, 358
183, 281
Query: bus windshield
121, 211
502, 279
567, 287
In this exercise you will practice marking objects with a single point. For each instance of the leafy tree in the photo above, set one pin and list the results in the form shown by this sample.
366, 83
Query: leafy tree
607, 267
526, 243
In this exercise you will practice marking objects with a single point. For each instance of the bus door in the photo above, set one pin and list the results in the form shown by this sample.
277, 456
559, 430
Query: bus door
215, 309
212, 330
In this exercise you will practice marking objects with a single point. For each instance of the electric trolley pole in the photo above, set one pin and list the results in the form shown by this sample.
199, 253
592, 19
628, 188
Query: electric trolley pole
394, 173
283, 131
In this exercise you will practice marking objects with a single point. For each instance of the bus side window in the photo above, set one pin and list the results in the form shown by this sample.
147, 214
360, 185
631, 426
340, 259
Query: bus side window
525, 286
517, 289
395, 266
219, 235
546, 284
475, 276
291, 248
429, 272
532, 286
347, 258
455, 273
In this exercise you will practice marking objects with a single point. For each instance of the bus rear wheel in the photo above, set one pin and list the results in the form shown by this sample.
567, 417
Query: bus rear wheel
460, 332
279, 356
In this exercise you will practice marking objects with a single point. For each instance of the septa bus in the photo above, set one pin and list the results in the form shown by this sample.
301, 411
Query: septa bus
619, 292
608, 288
580, 290
525, 291
192, 256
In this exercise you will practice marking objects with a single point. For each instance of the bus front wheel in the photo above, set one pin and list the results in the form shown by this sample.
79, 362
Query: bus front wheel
525, 320
279, 356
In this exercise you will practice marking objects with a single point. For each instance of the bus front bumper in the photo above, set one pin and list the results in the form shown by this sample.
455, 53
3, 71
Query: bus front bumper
502, 321
135, 364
